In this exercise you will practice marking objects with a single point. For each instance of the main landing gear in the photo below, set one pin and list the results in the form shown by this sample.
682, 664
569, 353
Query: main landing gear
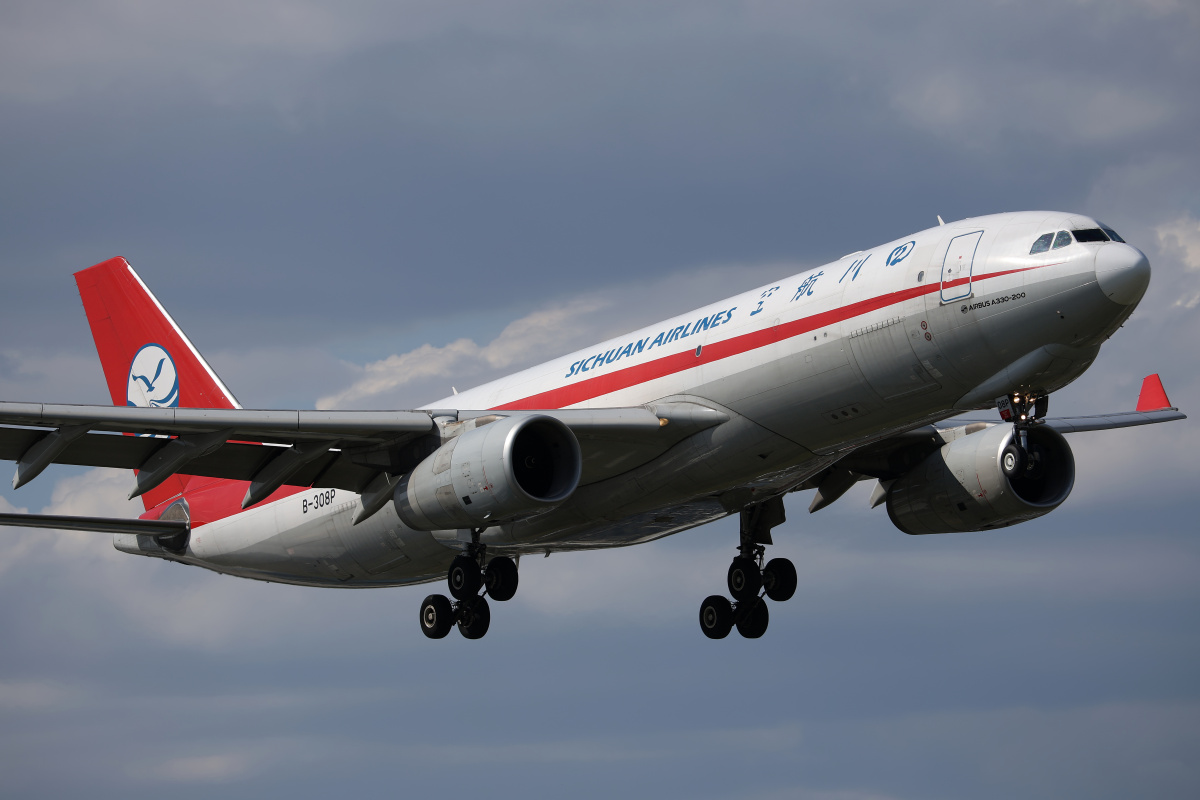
749, 581
469, 610
1020, 458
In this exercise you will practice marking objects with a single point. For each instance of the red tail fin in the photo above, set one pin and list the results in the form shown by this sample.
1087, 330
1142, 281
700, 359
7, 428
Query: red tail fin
147, 359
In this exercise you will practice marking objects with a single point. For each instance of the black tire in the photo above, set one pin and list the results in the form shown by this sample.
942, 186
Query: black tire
437, 616
1012, 461
464, 578
779, 579
474, 619
501, 578
752, 619
744, 578
716, 617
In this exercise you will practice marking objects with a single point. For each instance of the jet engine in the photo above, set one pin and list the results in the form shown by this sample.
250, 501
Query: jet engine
511, 468
964, 485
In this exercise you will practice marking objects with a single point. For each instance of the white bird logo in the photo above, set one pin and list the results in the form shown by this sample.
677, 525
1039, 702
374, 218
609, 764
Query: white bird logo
153, 380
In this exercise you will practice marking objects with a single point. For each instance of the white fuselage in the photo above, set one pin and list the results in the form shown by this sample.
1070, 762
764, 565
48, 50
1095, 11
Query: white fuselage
807, 369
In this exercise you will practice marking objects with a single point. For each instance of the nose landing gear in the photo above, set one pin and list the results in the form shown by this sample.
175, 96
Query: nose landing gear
1025, 411
470, 611
749, 582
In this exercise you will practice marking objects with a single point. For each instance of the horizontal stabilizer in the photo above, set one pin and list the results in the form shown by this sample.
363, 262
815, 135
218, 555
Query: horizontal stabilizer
144, 527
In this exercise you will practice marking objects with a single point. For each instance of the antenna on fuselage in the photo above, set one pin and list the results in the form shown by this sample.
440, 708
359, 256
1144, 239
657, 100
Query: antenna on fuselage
940, 220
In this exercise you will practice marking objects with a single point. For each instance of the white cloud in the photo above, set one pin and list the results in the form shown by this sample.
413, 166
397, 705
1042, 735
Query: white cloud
550, 332
1182, 237
543, 331
97, 492
9, 508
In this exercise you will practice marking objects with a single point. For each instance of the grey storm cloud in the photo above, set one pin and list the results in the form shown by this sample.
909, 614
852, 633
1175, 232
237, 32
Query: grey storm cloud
368, 202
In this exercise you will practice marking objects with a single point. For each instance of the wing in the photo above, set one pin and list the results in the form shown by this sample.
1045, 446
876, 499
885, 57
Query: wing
354, 450
890, 458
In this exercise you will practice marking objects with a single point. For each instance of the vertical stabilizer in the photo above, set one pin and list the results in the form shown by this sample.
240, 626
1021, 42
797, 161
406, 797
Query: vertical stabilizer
147, 359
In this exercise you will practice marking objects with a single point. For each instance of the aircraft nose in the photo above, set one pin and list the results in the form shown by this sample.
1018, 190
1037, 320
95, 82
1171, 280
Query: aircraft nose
1123, 272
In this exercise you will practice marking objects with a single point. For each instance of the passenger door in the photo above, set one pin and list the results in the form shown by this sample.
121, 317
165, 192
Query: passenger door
958, 265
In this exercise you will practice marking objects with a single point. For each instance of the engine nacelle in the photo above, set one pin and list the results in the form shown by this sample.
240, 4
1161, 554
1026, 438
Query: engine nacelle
962, 487
505, 470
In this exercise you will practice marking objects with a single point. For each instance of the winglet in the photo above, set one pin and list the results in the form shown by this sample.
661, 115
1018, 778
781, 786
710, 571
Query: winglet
1153, 396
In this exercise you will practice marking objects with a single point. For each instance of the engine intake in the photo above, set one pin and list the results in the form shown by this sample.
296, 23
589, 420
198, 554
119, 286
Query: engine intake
508, 469
962, 487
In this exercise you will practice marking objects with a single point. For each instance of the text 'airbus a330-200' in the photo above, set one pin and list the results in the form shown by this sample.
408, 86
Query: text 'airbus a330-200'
820, 380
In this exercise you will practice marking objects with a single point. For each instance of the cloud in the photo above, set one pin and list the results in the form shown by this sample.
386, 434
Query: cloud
99, 492
521, 341
352, 202
1183, 237
8, 508
547, 333
96, 492
1180, 239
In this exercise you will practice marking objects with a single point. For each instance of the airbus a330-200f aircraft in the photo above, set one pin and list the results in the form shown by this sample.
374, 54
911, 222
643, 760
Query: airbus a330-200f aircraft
823, 379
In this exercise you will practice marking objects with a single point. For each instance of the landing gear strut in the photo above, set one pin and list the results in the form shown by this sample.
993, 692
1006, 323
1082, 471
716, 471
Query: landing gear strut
1025, 411
466, 576
749, 581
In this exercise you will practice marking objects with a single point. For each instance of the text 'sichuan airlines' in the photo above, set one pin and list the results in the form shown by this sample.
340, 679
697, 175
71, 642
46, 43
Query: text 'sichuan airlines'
817, 381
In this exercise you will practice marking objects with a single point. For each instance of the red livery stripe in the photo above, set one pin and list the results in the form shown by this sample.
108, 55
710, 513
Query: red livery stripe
590, 388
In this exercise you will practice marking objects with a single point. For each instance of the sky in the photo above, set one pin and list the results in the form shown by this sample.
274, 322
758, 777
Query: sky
362, 204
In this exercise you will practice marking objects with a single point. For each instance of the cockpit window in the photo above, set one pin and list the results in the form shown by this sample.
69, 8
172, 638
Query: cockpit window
1090, 235
1112, 234
1042, 244
1062, 239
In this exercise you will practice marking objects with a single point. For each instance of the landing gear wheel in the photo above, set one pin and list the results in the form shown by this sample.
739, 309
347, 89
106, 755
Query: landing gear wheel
474, 619
1012, 461
752, 619
779, 579
745, 578
464, 578
716, 617
501, 578
437, 616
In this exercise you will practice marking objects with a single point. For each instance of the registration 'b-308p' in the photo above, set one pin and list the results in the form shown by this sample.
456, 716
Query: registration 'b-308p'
839, 374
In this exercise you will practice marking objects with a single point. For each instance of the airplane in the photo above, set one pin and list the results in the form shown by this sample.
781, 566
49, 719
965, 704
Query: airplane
836, 375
